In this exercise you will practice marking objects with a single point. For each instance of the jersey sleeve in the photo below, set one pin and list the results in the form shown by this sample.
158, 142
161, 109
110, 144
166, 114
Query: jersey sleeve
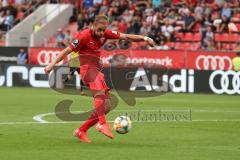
109, 34
77, 43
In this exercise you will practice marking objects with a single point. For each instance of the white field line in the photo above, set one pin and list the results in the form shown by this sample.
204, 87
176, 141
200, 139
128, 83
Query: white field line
78, 122
38, 119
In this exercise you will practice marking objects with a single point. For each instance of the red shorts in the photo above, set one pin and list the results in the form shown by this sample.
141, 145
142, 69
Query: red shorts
93, 78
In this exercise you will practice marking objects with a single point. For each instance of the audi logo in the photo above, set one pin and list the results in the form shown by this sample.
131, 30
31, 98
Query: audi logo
213, 62
229, 82
45, 57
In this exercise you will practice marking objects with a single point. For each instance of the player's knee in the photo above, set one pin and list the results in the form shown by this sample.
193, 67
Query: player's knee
99, 100
108, 106
102, 101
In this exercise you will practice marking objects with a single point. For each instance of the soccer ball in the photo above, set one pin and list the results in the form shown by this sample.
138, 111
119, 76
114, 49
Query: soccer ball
122, 124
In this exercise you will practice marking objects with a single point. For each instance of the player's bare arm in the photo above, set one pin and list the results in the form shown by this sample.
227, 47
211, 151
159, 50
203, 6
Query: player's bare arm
58, 59
136, 38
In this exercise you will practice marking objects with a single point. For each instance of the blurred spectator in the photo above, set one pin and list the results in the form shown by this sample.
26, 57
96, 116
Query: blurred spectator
156, 3
114, 26
68, 37
162, 46
60, 39
172, 16
219, 3
223, 24
226, 11
122, 26
188, 21
22, 57
209, 44
154, 31
219, 46
208, 35
97, 2
83, 21
88, 3
127, 16
104, 7
145, 29
9, 20
168, 30
134, 27
3, 27
177, 2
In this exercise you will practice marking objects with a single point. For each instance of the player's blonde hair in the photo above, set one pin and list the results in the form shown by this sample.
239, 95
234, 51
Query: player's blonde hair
103, 19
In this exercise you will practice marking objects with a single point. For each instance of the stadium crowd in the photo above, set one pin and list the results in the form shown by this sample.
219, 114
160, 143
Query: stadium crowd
171, 21
173, 24
14, 11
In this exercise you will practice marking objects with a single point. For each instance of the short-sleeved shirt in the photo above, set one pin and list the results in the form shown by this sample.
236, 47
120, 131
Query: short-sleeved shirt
87, 45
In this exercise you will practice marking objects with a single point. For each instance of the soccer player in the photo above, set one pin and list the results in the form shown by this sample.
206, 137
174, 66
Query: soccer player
74, 65
87, 44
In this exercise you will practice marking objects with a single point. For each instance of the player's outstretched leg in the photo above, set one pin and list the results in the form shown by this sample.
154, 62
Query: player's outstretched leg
102, 126
91, 121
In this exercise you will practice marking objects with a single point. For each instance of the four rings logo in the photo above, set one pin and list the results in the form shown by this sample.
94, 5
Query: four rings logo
46, 56
213, 62
225, 82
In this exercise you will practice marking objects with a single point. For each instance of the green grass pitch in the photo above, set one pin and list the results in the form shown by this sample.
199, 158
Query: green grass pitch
209, 131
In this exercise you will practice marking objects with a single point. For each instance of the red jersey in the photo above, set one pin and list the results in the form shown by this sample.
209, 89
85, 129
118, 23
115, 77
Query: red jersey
87, 45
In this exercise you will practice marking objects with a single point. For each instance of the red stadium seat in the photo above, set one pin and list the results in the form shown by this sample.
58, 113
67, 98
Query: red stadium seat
170, 44
234, 37
185, 46
197, 37
225, 46
179, 35
177, 45
238, 26
238, 15
195, 46
188, 37
217, 37
224, 37
232, 46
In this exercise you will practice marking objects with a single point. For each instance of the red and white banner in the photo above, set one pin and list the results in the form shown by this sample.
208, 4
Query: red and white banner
146, 58
200, 60
209, 60
44, 56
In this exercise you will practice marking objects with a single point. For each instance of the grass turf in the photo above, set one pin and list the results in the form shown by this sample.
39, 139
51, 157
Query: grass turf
211, 133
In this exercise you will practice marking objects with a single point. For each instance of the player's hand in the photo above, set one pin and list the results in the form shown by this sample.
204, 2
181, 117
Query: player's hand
149, 41
48, 69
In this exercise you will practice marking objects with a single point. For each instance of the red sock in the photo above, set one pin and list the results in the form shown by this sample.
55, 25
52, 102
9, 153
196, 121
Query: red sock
91, 121
99, 105
97, 116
